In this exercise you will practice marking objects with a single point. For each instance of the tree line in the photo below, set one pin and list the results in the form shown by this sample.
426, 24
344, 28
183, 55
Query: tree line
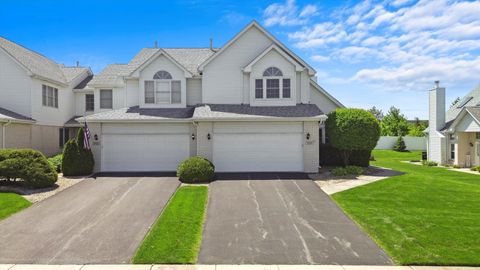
394, 123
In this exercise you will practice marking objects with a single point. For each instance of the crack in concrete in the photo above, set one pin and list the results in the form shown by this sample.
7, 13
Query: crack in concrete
259, 213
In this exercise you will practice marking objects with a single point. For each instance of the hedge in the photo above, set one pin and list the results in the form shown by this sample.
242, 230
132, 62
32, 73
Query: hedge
56, 162
196, 170
27, 166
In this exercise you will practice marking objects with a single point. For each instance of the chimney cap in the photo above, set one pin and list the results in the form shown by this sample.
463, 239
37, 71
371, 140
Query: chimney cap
437, 84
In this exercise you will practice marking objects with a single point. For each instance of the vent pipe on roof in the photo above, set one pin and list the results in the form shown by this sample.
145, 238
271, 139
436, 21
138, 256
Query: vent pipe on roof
78, 63
211, 43
155, 45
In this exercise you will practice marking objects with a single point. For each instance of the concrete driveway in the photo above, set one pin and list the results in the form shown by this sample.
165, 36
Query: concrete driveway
287, 221
96, 221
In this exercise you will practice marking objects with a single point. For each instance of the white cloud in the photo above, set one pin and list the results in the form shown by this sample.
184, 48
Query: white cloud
401, 43
288, 14
320, 58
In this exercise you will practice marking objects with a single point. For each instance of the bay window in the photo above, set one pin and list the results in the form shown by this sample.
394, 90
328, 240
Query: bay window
163, 89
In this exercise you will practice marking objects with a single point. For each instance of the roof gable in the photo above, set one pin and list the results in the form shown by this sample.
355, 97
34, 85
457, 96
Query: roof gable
311, 71
467, 120
153, 57
273, 47
455, 110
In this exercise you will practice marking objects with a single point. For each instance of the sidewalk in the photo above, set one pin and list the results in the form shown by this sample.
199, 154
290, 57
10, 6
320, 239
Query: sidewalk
222, 267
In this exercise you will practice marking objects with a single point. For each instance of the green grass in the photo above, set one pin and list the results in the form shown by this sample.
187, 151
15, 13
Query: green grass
176, 235
428, 216
10, 203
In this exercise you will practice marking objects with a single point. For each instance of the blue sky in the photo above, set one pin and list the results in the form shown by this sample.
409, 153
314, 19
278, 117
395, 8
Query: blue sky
367, 53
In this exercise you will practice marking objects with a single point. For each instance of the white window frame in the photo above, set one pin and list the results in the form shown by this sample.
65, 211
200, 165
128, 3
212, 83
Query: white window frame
111, 100
264, 85
170, 82
49, 96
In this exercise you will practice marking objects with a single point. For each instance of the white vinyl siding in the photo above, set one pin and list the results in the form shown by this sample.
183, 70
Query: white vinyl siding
106, 99
49, 96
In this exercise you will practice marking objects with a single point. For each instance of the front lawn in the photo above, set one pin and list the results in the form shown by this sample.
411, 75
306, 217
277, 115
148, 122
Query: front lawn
176, 235
10, 203
429, 215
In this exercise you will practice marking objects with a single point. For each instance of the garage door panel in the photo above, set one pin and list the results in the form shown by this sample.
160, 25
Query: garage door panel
258, 152
258, 127
154, 152
145, 129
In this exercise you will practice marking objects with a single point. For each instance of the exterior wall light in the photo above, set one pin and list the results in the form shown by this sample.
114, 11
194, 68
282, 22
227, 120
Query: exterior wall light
193, 136
208, 136
95, 137
308, 136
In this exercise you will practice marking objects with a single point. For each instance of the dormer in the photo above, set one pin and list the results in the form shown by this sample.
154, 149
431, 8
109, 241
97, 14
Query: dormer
273, 78
162, 82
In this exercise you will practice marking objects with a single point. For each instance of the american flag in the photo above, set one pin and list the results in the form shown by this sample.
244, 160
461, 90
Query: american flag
86, 137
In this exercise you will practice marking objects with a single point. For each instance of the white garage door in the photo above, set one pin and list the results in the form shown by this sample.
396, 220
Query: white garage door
144, 148
258, 147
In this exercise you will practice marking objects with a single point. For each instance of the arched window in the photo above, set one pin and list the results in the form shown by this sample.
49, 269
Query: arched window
272, 72
163, 89
162, 75
273, 86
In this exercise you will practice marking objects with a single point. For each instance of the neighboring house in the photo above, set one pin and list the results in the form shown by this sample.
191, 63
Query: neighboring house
252, 105
454, 136
36, 99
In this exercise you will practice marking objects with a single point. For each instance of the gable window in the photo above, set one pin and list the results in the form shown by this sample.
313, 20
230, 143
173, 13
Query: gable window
49, 96
163, 89
89, 102
106, 99
273, 85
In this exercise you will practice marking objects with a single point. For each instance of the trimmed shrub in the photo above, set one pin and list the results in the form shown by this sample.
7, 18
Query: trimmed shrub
354, 170
475, 169
352, 130
30, 167
77, 161
331, 156
195, 170
429, 163
56, 162
400, 145
339, 171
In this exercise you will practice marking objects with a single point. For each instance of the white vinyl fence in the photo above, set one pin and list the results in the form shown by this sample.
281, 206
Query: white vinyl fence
412, 143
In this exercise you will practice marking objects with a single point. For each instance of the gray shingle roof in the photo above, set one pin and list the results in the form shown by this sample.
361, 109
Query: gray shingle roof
454, 110
84, 83
189, 58
247, 111
9, 115
73, 122
39, 64
213, 111
136, 113
474, 111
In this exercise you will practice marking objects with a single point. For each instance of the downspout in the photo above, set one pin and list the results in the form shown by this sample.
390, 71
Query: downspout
3, 133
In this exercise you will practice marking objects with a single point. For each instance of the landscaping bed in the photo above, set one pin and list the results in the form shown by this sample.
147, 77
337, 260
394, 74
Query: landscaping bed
427, 216
176, 235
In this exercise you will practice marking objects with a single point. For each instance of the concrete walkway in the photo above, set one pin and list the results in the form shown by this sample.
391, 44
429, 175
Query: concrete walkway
223, 267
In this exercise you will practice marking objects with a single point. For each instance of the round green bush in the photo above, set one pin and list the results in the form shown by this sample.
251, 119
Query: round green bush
56, 162
77, 161
29, 166
339, 171
354, 170
352, 130
195, 170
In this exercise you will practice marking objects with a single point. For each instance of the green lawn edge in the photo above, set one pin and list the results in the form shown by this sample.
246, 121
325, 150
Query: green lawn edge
11, 203
427, 216
176, 236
